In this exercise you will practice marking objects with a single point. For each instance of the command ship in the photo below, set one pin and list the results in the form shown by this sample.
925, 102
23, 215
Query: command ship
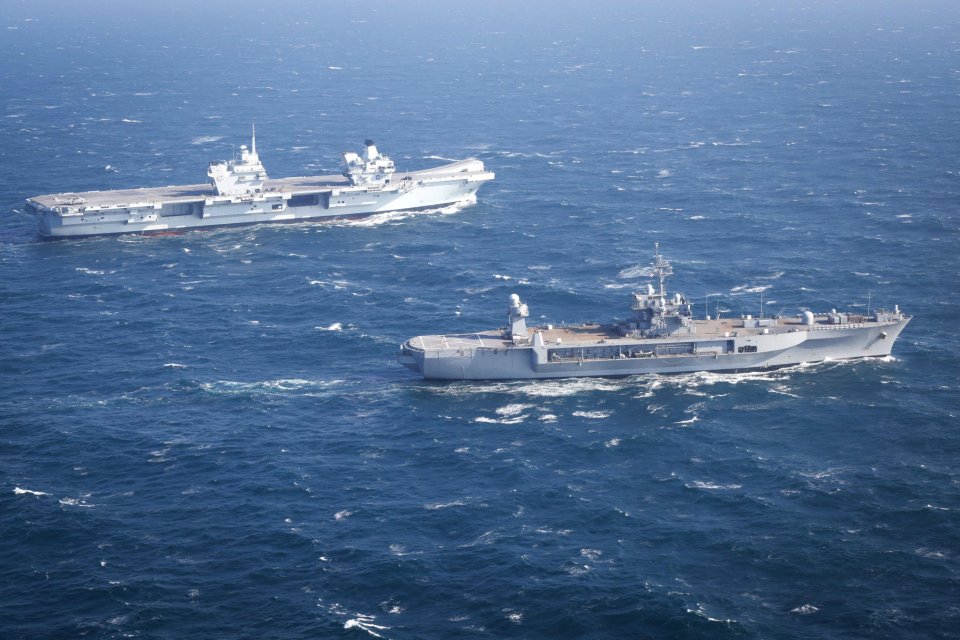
661, 336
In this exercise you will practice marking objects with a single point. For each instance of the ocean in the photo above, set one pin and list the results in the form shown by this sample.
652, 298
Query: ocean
208, 435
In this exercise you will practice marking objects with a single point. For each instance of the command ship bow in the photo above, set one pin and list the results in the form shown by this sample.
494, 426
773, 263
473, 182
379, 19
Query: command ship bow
240, 193
662, 336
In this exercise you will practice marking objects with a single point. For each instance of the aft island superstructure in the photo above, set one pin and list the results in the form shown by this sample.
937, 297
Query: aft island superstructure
661, 336
240, 193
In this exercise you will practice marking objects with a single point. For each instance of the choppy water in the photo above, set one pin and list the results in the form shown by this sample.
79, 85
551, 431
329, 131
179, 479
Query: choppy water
207, 435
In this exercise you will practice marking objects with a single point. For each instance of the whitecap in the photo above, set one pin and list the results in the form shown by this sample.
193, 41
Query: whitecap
205, 139
614, 442
748, 289
336, 326
174, 365
366, 623
269, 387
131, 121
594, 415
639, 271
485, 538
577, 569
805, 609
697, 484
782, 390
76, 502
28, 492
433, 506
343, 513
511, 420
512, 409
699, 611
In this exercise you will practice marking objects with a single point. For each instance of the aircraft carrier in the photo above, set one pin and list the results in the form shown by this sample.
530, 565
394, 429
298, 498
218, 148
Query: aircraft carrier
240, 193
661, 336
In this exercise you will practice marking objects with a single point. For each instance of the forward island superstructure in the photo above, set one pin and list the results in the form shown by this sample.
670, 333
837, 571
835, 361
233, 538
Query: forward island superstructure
240, 193
661, 336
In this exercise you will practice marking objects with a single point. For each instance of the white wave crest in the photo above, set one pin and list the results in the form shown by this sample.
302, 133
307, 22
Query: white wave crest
512, 409
594, 415
513, 420
745, 288
697, 484
366, 623
805, 609
28, 492
637, 271
433, 506
77, 502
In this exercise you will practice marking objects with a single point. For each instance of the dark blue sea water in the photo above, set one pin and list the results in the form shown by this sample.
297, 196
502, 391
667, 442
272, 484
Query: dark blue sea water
208, 436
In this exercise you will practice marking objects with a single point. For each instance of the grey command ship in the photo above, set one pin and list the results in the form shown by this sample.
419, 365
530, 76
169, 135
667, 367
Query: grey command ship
241, 193
662, 336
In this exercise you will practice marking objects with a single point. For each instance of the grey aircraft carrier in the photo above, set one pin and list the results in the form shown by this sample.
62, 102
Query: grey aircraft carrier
240, 193
662, 336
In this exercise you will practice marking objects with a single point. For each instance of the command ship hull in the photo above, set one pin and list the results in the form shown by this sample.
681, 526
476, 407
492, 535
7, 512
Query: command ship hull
601, 350
241, 194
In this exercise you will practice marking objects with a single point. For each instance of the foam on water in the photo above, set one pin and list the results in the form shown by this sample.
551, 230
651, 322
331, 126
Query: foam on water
380, 219
271, 387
